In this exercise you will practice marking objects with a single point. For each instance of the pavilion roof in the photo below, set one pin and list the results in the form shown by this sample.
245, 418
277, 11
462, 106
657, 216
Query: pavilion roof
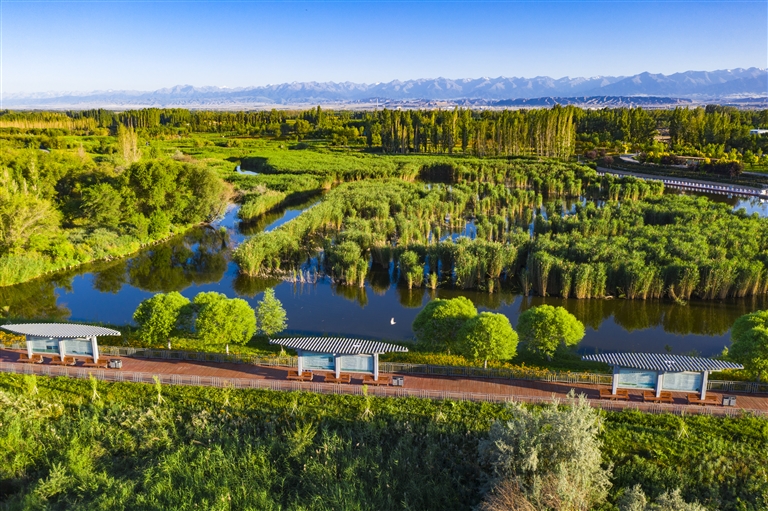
59, 330
338, 345
661, 362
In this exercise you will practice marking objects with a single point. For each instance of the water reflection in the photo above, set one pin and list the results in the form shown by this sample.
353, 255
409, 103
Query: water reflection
198, 258
201, 261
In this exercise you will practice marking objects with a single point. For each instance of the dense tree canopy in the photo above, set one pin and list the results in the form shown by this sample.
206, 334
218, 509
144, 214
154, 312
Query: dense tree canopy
488, 336
222, 320
439, 322
160, 315
545, 328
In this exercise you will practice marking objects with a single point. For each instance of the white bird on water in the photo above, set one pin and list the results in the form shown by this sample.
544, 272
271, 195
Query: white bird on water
392, 321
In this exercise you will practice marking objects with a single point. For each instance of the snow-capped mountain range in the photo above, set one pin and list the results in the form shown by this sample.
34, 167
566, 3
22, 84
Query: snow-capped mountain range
699, 85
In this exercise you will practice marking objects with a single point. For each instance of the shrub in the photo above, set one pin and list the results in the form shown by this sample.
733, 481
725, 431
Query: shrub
224, 320
160, 315
488, 336
550, 455
438, 323
545, 328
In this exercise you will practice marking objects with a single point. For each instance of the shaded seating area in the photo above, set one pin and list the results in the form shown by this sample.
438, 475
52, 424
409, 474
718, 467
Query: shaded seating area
619, 395
710, 399
341, 357
24, 358
58, 360
64, 343
657, 375
383, 380
342, 378
665, 397
296, 376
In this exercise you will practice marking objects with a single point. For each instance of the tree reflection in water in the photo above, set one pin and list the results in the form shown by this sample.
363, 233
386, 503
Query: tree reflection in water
252, 286
36, 299
352, 293
198, 258
697, 317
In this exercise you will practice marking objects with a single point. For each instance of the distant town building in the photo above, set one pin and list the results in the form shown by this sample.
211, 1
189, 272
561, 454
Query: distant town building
758, 132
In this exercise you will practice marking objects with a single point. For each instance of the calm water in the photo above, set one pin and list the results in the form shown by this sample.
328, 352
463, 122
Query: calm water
200, 261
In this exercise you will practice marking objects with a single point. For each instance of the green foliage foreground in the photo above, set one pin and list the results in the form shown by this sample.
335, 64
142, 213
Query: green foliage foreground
75, 444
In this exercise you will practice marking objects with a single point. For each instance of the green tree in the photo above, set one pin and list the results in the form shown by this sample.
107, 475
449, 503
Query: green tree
750, 343
158, 316
438, 323
23, 216
488, 336
223, 320
545, 328
270, 314
102, 205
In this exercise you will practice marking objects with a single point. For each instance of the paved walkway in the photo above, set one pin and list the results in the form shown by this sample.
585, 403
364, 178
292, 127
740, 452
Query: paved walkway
491, 389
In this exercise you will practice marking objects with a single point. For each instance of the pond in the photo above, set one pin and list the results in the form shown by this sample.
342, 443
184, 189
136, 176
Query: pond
200, 261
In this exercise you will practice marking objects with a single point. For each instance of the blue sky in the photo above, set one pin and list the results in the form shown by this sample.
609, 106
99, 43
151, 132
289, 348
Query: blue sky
145, 45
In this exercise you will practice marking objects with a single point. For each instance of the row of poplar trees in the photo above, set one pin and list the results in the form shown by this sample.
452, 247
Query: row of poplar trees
541, 132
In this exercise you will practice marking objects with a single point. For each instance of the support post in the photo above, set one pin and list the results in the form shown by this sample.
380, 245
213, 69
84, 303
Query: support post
337, 365
62, 351
659, 383
29, 347
95, 347
615, 380
300, 361
376, 367
704, 381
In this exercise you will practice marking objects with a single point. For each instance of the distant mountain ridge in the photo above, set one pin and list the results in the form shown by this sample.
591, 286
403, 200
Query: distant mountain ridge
690, 84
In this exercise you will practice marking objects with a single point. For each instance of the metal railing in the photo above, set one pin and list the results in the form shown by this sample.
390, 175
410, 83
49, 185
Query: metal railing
197, 356
408, 368
329, 388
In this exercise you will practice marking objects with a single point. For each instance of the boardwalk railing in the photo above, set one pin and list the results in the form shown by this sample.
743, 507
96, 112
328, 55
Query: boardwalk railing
406, 368
329, 388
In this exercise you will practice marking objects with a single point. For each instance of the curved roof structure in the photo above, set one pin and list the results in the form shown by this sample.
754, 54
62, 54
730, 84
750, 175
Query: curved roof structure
59, 330
662, 362
337, 345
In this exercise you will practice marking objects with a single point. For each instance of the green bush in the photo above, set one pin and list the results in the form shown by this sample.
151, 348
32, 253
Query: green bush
160, 316
223, 320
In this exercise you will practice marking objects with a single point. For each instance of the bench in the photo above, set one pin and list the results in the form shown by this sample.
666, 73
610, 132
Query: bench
620, 395
304, 376
101, 363
343, 378
66, 361
35, 359
383, 380
711, 399
649, 396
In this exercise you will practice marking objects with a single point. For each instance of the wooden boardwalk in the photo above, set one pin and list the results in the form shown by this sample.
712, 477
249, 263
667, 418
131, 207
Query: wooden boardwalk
490, 389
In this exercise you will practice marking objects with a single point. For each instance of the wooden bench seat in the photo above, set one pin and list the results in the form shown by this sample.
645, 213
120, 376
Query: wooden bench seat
343, 378
649, 396
711, 399
66, 361
620, 395
101, 363
35, 359
383, 380
304, 376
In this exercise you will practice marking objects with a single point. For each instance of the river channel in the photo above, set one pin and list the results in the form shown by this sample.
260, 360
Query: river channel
200, 261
